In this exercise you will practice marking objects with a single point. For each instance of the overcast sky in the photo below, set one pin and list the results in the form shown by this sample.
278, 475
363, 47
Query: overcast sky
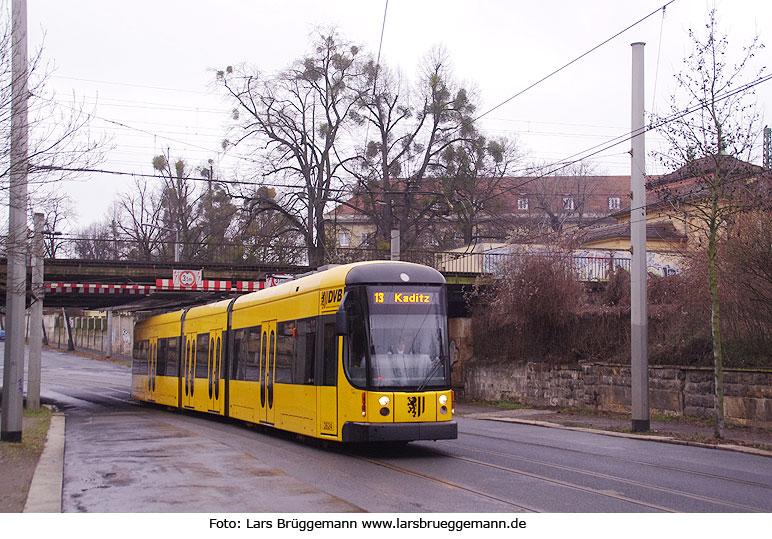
148, 66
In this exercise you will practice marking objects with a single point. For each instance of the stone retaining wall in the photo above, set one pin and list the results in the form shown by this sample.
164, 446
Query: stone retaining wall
686, 391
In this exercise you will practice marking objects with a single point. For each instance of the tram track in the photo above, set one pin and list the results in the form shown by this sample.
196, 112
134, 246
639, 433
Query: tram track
664, 467
530, 475
446, 483
639, 484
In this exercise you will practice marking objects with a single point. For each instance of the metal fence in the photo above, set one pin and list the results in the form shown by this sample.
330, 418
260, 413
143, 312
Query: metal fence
596, 267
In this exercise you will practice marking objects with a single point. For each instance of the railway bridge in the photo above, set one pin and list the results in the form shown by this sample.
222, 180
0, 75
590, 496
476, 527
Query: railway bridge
131, 285
134, 289
151, 286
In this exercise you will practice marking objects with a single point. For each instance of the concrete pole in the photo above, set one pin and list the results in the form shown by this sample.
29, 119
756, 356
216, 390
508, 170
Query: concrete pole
395, 244
13, 373
109, 351
36, 315
639, 360
70, 344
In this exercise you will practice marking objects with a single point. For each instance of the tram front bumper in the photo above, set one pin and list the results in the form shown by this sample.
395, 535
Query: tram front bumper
399, 432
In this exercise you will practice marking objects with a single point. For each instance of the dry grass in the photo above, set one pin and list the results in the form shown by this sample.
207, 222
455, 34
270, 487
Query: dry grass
18, 460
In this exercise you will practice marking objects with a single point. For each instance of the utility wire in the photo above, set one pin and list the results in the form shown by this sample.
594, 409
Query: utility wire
377, 68
558, 70
552, 169
125, 126
659, 51
595, 150
133, 85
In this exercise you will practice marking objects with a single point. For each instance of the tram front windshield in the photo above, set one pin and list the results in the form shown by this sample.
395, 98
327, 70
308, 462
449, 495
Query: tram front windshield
407, 334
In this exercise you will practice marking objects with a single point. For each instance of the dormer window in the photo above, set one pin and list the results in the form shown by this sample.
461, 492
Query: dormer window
522, 204
568, 203
614, 203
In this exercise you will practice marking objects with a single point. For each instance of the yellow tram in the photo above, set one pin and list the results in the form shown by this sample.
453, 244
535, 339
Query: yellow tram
355, 353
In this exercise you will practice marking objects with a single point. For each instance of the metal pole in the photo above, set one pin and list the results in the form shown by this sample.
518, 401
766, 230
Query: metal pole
70, 345
395, 244
13, 373
36, 316
639, 360
176, 245
109, 352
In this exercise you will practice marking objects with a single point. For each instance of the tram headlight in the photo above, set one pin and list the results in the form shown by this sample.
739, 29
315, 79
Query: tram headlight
443, 400
384, 401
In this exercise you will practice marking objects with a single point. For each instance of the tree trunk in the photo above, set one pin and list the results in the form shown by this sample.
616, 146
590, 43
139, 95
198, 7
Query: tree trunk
718, 356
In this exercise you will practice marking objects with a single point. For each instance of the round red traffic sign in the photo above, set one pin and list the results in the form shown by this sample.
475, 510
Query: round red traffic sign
187, 279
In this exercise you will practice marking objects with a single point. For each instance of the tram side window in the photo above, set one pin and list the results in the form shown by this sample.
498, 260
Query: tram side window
246, 354
329, 356
161, 357
238, 362
202, 355
305, 356
285, 352
296, 352
172, 355
139, 364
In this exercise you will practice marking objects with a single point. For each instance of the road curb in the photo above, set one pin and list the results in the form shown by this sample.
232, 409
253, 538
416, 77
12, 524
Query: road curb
665, 439
45, 492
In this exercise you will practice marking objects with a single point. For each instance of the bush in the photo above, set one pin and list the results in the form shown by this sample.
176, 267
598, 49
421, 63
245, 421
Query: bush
530, 312
537, 310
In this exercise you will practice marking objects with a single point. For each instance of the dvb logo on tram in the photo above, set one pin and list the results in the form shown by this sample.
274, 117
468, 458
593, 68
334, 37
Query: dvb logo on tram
330, 297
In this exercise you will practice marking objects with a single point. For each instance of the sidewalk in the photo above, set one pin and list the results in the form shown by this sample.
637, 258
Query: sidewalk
45, 491
685, 431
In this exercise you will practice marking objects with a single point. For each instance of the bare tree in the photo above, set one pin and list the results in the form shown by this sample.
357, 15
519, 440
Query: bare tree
59, 210
59, 139
475, 182
215, 226
412, 131
295, 119
266, 235
95, 242
558, 200
139, 213
710, 148
181, 208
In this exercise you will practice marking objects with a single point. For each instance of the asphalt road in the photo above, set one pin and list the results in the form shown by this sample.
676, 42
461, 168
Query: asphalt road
121, 456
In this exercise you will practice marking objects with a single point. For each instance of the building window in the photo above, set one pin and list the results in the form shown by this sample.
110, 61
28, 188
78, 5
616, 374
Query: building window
522, 204
568, 203
344, 239
364, 238
614, 203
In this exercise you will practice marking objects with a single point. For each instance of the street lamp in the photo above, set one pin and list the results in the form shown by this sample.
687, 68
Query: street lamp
176, 238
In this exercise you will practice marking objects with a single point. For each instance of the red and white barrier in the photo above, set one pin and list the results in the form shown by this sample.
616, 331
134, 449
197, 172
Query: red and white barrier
241, 287
206, 286
68, 288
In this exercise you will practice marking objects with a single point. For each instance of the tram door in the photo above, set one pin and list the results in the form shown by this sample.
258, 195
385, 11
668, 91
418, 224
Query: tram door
327, 404
152, 367
188, 370
268, 361
215, 371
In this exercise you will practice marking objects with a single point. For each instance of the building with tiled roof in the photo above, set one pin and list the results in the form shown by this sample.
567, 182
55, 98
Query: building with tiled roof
516, 207
674, 201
